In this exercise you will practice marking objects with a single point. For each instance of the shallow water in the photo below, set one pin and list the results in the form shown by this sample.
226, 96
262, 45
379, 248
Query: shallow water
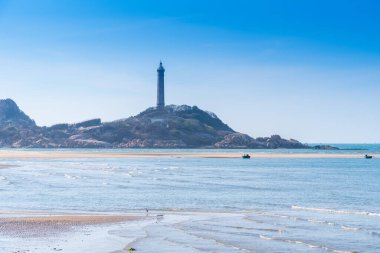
231, 205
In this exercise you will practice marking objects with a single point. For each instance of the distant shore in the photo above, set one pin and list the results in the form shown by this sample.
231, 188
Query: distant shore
33, 154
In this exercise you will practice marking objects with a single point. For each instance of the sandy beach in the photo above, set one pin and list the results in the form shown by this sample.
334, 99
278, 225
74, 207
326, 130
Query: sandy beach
28, 232
32, 154
39, 226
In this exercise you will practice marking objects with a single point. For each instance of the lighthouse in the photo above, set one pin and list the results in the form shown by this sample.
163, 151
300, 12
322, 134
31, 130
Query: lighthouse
160, 87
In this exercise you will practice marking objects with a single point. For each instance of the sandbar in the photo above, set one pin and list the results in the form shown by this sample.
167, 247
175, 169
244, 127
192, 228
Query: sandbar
43, 225
33, 154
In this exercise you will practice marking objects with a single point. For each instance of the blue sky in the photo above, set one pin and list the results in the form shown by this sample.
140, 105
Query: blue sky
308, 70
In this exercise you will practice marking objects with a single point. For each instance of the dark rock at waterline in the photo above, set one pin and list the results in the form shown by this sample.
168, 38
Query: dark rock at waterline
325, 147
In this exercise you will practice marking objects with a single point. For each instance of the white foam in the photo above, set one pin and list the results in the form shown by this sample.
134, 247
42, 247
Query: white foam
71, 177
265, 237
343, 251
349, 228
338, 211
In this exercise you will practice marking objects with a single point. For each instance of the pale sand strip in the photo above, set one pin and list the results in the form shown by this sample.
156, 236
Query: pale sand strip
37, 226
6, 166
30, 154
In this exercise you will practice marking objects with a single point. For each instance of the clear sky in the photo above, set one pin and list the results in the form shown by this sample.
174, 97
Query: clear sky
308, 70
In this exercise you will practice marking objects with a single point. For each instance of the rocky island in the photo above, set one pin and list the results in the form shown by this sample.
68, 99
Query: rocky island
165, 127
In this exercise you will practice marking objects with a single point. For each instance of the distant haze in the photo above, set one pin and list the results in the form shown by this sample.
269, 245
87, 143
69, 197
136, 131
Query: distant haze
307, 70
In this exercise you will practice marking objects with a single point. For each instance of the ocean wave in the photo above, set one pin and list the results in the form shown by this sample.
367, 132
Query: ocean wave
4, 180
309, 245
278, 239
349, 228
273, 230
337, 211
265, 237
185, 229
306, 244
71, 176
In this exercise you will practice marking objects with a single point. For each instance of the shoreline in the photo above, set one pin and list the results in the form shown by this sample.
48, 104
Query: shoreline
32, 154
40, 225
23, 232
117, 233
34, 232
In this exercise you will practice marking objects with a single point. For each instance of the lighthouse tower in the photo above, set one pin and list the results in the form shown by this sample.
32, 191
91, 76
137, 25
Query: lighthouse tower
160, 87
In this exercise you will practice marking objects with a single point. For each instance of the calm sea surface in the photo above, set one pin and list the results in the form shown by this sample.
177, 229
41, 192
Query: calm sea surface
270, 205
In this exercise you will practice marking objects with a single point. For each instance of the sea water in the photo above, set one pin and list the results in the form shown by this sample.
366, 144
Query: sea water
213, 204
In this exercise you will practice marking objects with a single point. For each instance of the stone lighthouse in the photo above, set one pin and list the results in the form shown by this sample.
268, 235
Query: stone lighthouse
160, 87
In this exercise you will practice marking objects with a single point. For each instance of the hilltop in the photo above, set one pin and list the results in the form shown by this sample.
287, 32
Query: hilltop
168, 127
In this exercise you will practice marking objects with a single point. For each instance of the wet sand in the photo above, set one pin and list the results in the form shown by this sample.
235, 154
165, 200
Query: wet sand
5, 166
32, 154
47, 225
36, 232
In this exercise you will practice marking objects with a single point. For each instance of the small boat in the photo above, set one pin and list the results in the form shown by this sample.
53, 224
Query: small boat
246, 156
367, 156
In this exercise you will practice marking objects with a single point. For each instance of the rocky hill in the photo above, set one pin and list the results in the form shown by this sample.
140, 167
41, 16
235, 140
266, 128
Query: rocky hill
170, 127
10, 114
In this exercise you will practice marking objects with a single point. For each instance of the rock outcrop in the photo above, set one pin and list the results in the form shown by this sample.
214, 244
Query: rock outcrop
169, 127
238, 140
10, 114
325, 147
